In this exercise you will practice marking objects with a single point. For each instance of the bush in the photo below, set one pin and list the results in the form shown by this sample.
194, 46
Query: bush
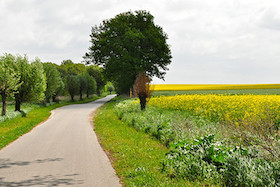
207, 160
165, 125
201, 159
264, 134
149, 121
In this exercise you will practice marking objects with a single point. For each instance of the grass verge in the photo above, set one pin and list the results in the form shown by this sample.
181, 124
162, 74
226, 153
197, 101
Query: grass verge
135, 156
11, 129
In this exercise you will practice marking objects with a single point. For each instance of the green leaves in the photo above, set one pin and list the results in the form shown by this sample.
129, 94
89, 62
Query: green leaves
9, 77
211, 161
73, 85
53, 79
91, 86
128, 44
33, 80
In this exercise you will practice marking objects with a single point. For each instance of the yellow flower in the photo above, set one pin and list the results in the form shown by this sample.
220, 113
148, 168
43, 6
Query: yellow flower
223, 107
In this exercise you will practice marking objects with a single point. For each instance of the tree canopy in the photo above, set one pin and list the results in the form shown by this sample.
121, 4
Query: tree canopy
90, 84
33, 81
53, 79
73, 85
9, 78
68, 67
128, 44
97, 73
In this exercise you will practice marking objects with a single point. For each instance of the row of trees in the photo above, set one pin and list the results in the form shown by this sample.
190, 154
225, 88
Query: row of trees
36, 81
25, 81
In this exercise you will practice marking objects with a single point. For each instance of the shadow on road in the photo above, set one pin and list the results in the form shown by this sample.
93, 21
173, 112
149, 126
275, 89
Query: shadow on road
7, 163
48, 180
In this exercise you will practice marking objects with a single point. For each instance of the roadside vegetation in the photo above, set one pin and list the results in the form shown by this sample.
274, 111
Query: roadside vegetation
210, 139
18, 123
136, 156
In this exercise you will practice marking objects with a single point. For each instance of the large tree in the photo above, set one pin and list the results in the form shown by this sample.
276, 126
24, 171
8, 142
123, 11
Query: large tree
90, 84
33, 81
53, 80
73, 85
59, 90
9, 79
129, 44
82, 86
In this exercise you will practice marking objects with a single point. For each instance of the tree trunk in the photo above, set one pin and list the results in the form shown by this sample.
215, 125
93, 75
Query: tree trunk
17, 106
54, 98
98, 92
143, 102
4, 102
87, 94
18, 102
81, 95
72, 97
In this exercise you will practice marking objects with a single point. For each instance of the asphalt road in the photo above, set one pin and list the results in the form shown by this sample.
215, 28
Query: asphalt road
62, 151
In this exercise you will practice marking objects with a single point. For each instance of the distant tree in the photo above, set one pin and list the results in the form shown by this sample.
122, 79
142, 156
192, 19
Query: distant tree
53, 80
76, 69
33, 81
128, 44
67, 67
142, 89
73, 85
9, 79
59, 90
90, 84
67, 62
82, 86
97, 73
110, 88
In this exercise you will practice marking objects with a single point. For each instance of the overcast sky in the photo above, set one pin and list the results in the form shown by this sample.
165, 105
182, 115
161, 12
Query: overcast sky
212, 41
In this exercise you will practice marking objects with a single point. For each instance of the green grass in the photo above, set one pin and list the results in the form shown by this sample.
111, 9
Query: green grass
135, 155
275, 91
11, 129
11, 113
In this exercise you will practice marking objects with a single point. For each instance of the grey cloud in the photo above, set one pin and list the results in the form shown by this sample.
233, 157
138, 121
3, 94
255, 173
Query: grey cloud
270, 19
213, 41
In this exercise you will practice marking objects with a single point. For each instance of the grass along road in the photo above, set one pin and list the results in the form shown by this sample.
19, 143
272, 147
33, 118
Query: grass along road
136, 156
11, 129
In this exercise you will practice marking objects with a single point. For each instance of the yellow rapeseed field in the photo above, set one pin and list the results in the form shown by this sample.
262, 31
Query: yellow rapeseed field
179, 87
229, 108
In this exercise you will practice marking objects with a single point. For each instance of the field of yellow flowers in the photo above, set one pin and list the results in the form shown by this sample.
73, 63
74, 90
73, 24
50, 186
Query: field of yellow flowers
181, 87
226, 108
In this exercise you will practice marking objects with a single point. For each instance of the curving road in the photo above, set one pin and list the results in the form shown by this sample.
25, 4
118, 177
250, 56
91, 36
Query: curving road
62, 151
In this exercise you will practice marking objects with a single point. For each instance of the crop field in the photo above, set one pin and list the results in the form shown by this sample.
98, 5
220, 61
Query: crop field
182, 87
271, 91
226, 108
236, 89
